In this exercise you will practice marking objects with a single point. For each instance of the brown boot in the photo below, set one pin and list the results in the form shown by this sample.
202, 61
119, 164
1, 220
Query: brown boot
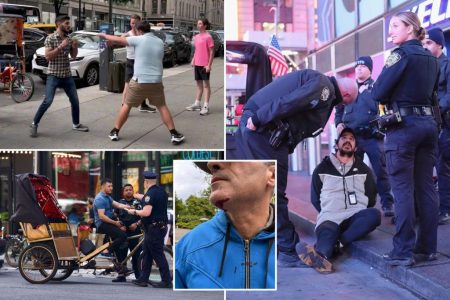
311, 257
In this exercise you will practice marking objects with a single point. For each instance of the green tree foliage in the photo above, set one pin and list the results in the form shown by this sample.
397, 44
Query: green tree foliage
194, 210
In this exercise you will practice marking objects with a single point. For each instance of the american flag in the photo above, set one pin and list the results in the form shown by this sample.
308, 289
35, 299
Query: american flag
277, 61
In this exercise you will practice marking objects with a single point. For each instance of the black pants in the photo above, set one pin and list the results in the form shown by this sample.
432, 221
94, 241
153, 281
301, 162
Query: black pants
119, 238
154, 250
131, 244
357, 226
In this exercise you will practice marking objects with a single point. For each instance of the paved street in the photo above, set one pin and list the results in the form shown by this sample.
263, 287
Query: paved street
99, 110
87, 286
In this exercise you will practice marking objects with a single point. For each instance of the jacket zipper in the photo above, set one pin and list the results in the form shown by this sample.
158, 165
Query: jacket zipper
247, 263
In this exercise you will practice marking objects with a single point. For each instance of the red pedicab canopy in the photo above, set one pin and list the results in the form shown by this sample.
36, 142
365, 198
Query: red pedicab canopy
35, 200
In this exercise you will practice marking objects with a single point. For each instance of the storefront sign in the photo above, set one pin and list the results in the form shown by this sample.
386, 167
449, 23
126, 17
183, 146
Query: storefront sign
431, 13
197, 155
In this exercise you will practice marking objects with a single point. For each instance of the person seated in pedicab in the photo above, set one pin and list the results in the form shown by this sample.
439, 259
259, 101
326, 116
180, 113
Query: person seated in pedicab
343, 191
103, 215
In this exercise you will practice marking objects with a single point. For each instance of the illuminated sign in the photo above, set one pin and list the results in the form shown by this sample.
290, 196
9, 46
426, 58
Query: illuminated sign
431, 13
198, 155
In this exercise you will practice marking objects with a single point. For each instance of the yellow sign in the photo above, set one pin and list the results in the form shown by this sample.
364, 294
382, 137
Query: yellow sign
166, 178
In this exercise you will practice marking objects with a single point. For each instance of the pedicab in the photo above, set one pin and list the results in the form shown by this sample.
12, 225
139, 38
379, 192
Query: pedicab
13, 76
52, 253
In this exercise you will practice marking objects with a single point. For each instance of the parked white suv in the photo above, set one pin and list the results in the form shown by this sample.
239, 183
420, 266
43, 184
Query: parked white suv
86, 65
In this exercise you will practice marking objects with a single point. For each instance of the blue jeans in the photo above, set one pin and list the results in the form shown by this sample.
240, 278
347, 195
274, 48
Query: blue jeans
375, 151
255, 145
411, 150
443, 170
68, 84
357, 226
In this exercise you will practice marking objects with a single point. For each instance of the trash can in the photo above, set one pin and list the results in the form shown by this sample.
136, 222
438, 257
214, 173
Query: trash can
116, 80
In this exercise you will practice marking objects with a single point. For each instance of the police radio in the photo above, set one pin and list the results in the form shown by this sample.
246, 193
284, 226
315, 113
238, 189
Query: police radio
279, 135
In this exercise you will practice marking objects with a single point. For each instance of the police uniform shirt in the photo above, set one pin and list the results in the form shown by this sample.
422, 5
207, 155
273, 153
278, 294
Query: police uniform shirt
444, 83
157, 198
408, 77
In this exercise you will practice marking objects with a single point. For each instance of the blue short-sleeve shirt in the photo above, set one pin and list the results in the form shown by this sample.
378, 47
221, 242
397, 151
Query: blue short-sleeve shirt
103, 201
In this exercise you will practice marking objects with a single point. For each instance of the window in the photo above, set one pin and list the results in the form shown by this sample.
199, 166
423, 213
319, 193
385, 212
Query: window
163, 7
394, 3
345, 16
369, 9
154, 7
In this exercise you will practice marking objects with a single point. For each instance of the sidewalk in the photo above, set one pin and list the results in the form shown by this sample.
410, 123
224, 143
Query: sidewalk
361, 271
99, 109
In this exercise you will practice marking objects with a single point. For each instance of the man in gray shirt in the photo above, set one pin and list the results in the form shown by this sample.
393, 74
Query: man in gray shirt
147, 79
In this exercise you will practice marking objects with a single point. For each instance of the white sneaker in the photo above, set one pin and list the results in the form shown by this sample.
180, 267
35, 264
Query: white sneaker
204, 111
193, 107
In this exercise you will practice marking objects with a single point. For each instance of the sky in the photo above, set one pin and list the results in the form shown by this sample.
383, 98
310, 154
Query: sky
188, 179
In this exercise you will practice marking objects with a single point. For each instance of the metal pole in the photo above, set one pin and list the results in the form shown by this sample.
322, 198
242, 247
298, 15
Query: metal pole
110, 11
277, 18
79, 15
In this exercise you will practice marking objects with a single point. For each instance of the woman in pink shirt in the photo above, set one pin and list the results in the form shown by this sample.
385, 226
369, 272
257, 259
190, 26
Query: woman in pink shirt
202, 62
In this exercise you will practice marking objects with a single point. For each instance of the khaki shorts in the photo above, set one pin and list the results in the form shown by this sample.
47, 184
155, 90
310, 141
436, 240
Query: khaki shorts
138, 92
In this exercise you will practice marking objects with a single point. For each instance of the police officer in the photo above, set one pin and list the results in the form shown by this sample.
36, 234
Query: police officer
407, 84
132, 224
154, 220
275, 119
358, 116
435, 42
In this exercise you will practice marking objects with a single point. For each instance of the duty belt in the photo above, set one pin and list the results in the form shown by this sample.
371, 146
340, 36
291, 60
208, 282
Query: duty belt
416, 111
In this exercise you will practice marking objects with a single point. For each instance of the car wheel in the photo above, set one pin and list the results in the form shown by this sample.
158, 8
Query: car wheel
91, 75
173, 59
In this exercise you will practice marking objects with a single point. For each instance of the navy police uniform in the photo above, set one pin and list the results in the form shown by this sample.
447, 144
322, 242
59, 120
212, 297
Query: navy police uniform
358, 115
155, 230
408, 80
304, 100
128, 220
443, 165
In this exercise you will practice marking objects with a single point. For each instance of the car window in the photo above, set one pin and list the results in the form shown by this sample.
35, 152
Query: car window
169, 38
87, 41
31, 36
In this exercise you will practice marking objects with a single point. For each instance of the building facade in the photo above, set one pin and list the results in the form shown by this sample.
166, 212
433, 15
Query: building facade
76, 176
174, 13
185, 13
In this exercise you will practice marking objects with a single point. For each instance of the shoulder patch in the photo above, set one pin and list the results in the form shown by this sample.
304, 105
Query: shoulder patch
393, 59
147, 199
325, 94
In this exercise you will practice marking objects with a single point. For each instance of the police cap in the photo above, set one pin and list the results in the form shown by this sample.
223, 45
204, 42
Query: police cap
149, 175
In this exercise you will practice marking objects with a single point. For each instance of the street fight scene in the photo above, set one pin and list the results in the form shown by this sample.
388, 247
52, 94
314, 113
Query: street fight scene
271, 149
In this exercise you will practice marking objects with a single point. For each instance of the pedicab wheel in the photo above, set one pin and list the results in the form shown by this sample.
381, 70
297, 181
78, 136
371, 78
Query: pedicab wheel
62, 274
38, 263
22, 87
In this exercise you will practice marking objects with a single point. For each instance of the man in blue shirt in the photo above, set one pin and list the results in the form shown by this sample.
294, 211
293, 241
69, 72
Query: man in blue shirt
104, 221
147, 79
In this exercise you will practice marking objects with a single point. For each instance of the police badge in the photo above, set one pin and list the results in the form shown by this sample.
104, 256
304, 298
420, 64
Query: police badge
147, 199
325, 94
393, 59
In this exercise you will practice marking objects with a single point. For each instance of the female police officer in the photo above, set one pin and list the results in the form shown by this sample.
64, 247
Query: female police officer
407, 84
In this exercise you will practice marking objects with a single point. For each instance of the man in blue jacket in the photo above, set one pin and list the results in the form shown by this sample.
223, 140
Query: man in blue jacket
278, 117
235, 249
